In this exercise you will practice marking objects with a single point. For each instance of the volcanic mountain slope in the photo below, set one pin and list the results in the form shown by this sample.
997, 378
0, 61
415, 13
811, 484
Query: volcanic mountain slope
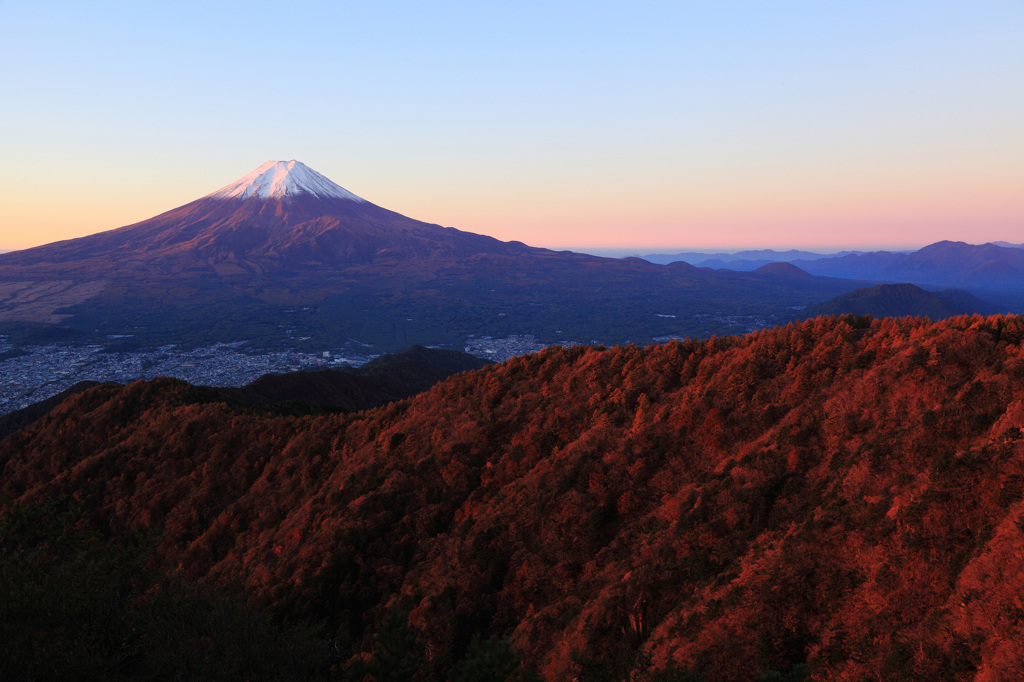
845, 494
282, 216
284, 248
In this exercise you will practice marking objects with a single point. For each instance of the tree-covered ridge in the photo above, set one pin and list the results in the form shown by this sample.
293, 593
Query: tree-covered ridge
843, 494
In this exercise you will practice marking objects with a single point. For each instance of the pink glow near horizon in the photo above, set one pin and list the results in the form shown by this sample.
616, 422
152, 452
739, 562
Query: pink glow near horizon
672, 125
889, 224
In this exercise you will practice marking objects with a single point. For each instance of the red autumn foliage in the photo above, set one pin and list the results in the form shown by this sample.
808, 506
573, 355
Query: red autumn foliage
843, 492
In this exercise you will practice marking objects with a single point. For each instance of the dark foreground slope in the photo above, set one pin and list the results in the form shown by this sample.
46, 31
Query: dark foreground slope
843, 494
389, 377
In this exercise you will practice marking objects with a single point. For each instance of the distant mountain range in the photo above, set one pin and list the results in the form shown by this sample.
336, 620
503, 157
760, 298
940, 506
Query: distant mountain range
740, 260
984, 266
284, 256
996, 266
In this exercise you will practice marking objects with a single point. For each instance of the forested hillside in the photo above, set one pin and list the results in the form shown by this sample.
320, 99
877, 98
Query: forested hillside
841, 497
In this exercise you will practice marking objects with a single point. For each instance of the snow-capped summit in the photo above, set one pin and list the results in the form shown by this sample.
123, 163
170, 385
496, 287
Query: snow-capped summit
279, 179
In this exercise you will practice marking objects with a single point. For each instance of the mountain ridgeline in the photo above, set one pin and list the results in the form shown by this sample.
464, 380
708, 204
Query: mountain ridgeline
980, 266
284, 256
841, 498
994, 267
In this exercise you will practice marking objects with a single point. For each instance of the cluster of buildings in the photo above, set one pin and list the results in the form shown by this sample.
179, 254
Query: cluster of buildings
500, 350
29, 374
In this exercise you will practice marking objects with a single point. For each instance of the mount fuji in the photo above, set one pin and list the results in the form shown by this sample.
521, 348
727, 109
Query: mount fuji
279, 179
283, 215
284, 252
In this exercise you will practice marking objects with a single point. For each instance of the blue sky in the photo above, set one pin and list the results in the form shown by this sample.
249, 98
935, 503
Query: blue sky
690, 125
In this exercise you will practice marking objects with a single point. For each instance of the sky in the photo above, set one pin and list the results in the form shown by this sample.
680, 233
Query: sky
639, 126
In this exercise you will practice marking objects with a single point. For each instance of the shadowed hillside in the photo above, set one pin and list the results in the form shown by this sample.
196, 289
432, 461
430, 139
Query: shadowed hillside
389, 377
841, 496
901, 300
